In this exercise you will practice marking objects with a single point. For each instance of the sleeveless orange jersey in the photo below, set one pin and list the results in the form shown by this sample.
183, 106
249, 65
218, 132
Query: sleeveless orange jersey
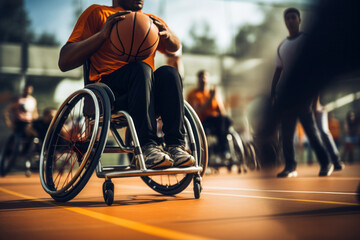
197, 97
104, 61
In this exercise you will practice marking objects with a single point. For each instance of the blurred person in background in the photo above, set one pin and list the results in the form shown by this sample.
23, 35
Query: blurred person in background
19, 114
316, 66
39, 127
211, 111
351, 137
286, 53
322, 124
334, 128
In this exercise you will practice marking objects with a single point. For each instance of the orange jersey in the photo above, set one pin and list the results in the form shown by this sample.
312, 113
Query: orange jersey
199, 98
334, 127
104, 61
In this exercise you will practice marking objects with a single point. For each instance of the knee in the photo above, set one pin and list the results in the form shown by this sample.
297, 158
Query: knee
167, 74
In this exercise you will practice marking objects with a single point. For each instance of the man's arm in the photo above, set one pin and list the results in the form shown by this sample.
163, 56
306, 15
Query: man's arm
275, 81
73, 55
7, 116
167, 37
35, 113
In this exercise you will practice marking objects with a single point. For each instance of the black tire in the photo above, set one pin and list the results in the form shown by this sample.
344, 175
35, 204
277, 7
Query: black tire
9, 154
175, 184
197, 190
74, 143
250, 160
108, 192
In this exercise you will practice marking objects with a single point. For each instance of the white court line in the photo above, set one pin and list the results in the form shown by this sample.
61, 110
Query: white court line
278, 191
251, 190
280, 199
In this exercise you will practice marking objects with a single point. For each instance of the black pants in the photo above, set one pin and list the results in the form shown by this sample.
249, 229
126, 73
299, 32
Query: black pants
288, 126
219, 126
145, 95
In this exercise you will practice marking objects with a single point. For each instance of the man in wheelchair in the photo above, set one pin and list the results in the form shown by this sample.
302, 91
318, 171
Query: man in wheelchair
144, 93
211, 111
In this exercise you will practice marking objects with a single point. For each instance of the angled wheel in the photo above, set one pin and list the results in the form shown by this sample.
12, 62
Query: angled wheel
239, 150
174, 184
74, 143
250, 157
9, 154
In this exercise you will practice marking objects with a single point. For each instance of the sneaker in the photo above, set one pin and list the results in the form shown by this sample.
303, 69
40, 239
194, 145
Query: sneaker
181, 157
287, 172
156, 158
326, 170
339, 165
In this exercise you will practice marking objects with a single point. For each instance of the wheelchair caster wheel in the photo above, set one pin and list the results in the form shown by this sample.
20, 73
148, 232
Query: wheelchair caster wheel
197, 187
108, 192
27, 173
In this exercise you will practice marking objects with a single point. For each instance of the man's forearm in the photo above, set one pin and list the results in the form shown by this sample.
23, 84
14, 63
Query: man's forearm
172, 43
73, 55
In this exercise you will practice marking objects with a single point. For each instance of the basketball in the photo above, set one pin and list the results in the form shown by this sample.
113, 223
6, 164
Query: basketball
135, 38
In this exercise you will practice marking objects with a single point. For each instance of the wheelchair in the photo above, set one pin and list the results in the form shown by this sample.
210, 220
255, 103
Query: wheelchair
239, 153
76, 140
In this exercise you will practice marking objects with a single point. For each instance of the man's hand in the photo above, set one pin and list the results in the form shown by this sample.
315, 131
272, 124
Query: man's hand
164, 32
213, 92
111, 20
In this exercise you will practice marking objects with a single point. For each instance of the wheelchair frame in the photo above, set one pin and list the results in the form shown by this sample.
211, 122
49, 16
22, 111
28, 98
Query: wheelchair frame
101, 118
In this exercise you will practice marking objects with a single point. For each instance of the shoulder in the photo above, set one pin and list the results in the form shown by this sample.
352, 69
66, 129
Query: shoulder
193, 91
93, 9
32, 98
282, 43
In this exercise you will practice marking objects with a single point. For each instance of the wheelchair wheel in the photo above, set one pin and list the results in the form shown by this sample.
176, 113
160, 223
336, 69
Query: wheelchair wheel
250, 157
9, 154
74, 143
174, 184
239, 150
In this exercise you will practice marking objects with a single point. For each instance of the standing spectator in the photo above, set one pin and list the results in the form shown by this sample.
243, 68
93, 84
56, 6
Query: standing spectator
351, 138
334, 127
287, 50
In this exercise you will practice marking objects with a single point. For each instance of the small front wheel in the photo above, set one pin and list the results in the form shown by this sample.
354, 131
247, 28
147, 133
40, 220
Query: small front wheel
108, 192
197, 186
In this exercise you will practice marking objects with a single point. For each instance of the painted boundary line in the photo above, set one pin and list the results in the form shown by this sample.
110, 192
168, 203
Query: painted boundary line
280, 191
136, 226
281, 199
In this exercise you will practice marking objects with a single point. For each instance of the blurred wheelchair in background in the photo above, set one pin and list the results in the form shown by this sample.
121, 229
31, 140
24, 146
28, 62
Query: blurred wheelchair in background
238, 153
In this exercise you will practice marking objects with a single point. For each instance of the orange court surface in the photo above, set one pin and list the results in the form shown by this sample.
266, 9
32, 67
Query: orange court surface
231, 206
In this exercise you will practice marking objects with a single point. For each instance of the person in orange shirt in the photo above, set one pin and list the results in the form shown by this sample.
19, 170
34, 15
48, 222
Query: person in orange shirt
144, 93
210, 110
334, 128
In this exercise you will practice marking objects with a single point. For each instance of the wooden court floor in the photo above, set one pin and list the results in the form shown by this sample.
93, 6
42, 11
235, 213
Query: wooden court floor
232, 206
